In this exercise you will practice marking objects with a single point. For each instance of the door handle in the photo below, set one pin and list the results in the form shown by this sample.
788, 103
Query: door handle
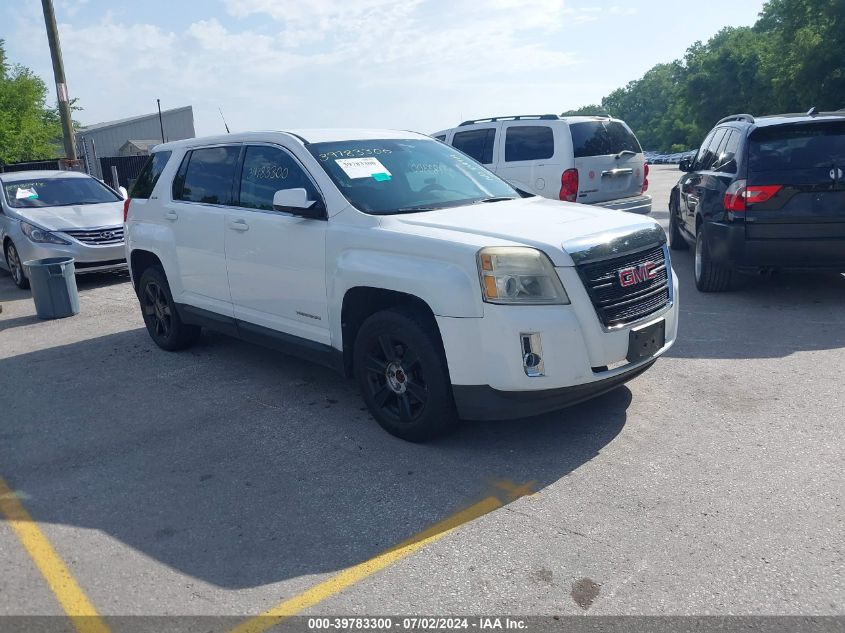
238, 225
171, 215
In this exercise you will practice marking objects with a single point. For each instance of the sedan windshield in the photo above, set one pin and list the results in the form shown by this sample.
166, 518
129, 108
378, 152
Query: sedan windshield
57, 192
385, 177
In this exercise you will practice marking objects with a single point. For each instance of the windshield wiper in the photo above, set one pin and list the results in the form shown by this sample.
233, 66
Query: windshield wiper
413, 209
494, 199
625, 152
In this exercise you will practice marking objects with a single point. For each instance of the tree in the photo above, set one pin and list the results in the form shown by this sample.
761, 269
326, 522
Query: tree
29, 129
585, 110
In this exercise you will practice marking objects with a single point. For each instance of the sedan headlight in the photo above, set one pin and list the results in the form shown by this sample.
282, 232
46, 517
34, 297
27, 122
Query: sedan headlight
40, 235
519, 275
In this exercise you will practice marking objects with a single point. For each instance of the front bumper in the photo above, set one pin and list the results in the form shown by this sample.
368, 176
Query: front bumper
634, 204
729, 244
581, 357
87, 259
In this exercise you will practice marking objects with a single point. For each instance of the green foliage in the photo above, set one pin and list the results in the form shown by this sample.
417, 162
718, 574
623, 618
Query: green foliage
29, 130
791, 59
584, 110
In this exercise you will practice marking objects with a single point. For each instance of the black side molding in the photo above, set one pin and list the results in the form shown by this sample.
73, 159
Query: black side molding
319, 353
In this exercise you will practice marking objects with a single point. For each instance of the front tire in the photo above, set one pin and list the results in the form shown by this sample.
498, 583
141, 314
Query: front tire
709, 276
400, 367
676, 239
160, 315
13, 262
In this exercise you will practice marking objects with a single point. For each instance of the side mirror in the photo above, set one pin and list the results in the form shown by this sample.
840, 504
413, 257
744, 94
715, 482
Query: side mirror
122, 191
685, 164
296, 201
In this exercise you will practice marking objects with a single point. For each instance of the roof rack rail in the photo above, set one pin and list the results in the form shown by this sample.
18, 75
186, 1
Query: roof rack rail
603, 115
737, 117
517, 117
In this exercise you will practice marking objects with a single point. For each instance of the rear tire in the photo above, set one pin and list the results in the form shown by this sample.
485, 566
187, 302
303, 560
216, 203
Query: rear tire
13, 262
709, 276
400, 367
676, 238
160, 315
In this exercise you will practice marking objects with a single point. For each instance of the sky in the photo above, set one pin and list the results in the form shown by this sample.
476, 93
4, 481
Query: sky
422, 65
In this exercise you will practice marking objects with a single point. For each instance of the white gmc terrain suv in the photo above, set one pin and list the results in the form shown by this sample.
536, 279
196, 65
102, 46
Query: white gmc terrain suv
402, 262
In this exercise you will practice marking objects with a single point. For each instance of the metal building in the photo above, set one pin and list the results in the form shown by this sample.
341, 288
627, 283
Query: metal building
104, 140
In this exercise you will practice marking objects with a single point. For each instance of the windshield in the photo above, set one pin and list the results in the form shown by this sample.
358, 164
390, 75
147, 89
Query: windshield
384, 177
57, 192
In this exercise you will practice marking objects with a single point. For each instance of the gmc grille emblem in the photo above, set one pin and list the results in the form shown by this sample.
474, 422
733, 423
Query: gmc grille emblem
637, 274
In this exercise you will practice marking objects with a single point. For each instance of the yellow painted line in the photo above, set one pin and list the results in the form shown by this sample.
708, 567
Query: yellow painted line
69, 594
352, 575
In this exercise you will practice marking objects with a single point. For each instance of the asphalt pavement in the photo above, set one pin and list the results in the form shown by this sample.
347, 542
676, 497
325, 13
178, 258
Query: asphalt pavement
230, 479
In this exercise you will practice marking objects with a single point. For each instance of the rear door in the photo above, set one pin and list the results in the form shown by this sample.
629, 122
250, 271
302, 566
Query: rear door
609, 160
529, 160
478, 142
800, 169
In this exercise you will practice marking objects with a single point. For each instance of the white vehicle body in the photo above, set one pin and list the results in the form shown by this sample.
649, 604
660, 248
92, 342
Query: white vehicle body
290, 281
533, 152
90, 233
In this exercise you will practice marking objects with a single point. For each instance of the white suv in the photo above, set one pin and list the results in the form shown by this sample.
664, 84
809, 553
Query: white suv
402, 262
590, 159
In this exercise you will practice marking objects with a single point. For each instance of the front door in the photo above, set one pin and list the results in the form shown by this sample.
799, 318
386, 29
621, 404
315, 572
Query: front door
276, 261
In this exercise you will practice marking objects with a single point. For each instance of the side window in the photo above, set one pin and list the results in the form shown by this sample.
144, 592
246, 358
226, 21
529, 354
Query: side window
207, 175
707, 153
147, 179
267, 170
476, 143
441, 138
727, 152
529, 142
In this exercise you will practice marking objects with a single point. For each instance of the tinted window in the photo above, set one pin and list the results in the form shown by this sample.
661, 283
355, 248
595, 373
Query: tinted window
727, 152
601, 138
699, 157
476, 143
207, 176
57, 192
529, 142
713, 149
797, 146
147, 179
267, 170
387, 176
441, 138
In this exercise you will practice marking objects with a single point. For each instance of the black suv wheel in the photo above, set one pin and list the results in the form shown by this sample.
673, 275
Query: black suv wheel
401, 370
13, 261
676, 240
709, 276
160, 315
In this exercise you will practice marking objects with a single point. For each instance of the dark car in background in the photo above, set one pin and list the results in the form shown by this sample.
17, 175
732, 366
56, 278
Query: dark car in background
763, 193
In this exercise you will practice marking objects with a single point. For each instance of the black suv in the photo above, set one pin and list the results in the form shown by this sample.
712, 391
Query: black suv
761, 194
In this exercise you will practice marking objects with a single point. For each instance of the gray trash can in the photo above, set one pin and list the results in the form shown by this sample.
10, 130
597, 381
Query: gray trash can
53, 283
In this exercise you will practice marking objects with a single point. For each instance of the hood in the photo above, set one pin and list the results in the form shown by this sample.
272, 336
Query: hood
565, 231
87, 216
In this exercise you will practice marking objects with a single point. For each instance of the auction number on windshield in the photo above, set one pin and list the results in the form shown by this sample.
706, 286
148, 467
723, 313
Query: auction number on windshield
355, 153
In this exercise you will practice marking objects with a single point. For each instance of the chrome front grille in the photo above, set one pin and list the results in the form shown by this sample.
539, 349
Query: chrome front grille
647, 275
98, 237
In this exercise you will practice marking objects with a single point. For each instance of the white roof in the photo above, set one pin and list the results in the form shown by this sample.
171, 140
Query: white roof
314, 135
17, 176
131, 119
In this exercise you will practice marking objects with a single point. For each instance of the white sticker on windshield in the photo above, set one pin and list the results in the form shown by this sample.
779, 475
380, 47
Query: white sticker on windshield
367, 167
25, 193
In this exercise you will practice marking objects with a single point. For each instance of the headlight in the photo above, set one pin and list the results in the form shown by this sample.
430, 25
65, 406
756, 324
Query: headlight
40, 235
519, 275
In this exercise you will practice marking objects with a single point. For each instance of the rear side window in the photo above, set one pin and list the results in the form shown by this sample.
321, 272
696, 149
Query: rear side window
207, 175
529, 142
602, 138
797, 146
476, 143
147, 179
267, 170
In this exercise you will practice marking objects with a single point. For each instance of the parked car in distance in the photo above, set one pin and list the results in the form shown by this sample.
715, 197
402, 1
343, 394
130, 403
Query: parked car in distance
403, 263
763, 193
60, 214
589, 159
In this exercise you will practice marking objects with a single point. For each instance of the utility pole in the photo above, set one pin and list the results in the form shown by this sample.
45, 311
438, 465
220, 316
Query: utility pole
59, 73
